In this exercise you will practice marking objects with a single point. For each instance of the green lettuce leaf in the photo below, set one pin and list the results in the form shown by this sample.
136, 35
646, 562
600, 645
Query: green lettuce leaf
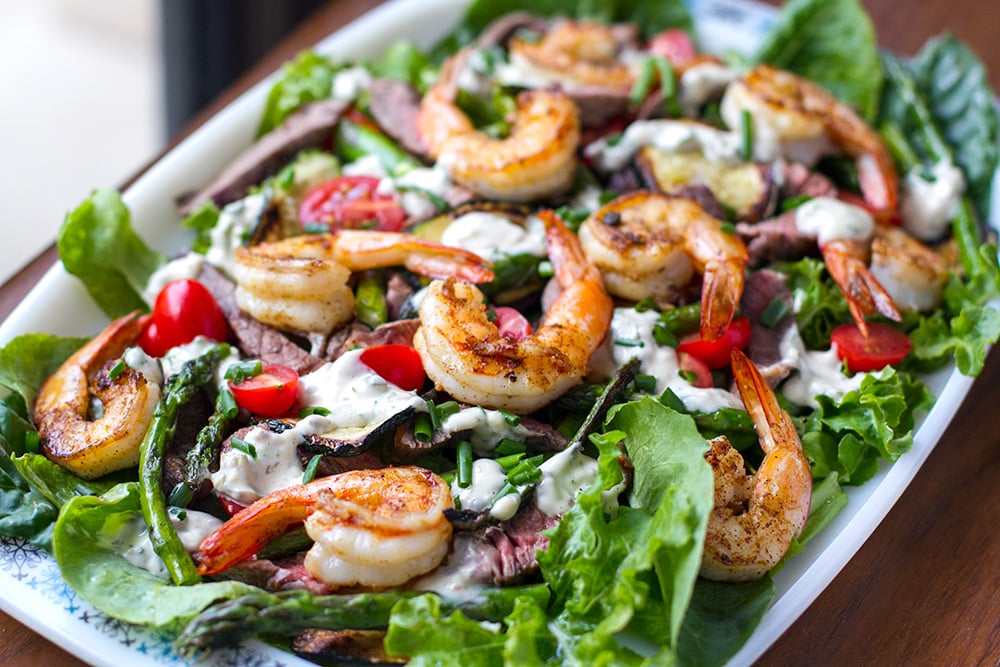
307, 78
55, 483
820, 305
849, 437
98, 245
28, 360
82, 545
404, 61
721, 618
830, 42
202, 220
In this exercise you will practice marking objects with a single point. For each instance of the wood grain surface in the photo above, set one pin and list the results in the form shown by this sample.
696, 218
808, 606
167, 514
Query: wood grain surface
923, 590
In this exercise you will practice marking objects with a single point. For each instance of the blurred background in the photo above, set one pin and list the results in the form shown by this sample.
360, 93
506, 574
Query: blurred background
90, 92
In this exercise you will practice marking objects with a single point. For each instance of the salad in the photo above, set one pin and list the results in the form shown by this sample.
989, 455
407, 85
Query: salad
548, 344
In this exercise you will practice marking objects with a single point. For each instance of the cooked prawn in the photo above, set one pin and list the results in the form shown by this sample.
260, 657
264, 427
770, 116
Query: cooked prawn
375, 528
301, 283
648, 244
537, 158
465, 355
806, 119
89, 442
576, 53
756, 517
912, 273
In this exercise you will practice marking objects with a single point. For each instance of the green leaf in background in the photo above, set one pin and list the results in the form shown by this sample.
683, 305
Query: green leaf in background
404, 61
306, 79
721, 618
28, 360
830, 42
98, 245
202, 220
958, 94
83, 547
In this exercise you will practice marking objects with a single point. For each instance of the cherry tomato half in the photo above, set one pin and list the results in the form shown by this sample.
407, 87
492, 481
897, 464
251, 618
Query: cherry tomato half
692, 364
674, 45
398, 364
512, 324
270, 393
184, 309
884, 346
229, 505
716, 353
351, 202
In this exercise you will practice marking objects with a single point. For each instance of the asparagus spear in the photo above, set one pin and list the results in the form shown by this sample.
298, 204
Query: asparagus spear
209, 438
178, 390
290, 612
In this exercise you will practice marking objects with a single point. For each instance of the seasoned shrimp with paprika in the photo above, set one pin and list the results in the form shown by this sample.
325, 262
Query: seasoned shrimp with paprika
377, 528
465, 355
756, 516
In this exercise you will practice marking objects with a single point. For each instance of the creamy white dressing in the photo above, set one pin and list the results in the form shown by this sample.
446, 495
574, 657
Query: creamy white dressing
830, 219
673, 136
350, 82
819, 372
521, 72
137, 359
185, 266
133, 543
488, 477
411, 186
701, 83
493, 236
367, 165
175, 358
236, 222
564, 476
929, 206
631, 335
355, 395
484, 429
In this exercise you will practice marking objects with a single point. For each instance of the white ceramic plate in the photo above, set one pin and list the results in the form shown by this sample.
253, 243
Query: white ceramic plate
31, 588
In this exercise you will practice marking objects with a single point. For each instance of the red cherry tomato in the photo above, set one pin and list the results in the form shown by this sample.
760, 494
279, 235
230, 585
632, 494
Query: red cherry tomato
270, 393
184, 309
675, 45
884, 346
715, 353
351, 202
512, 324
398, 364
229, 505
692, 364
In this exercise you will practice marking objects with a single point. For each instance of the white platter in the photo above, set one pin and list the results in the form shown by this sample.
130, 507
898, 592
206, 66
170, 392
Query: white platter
31, 588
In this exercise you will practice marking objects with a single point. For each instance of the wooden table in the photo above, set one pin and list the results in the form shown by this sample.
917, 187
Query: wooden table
923, 590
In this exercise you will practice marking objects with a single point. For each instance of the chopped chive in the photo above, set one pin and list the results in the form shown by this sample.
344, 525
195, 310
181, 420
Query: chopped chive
32, 442
645, 383
507, 446
449, 477
729, 213
179, 514
526, 472
243, 370
629, 342
314, 410
433, 414
728, 228
774, 313
689, 376
506, 490
315, 227
437, 201
463, 461
508, 462
241, 445
670, 399
491, 315
665, 336
643, 83
180, 495
746, 136
668, 86
226, 404
116, 370
794, 202
644, 304
422, 428
309, 474
510, 417
444, 411
545, 269
614, 139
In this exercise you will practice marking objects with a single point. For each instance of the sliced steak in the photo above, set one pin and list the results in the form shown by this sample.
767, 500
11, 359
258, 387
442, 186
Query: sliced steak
309, 126
800, 180
254, 338
761, 290
776, 240
395, 104
505, 553
357, 335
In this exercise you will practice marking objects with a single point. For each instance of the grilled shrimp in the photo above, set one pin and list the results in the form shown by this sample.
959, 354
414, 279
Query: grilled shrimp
576, 53
301, 283
465, 355
912, 273
91, 446
649, 245
844, 234
755, 517
375, 528
537, 159
803, 122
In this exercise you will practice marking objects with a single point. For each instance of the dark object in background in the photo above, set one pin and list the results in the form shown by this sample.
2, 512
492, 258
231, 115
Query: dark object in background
207, 45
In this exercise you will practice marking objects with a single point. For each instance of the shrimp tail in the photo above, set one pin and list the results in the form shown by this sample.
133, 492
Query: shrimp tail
722, 287
255, 526
369, 250
846, 262
879, 184
772, 423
